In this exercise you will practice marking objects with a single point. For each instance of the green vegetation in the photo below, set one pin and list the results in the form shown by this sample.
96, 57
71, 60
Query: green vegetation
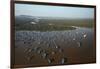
44, 27
53, 24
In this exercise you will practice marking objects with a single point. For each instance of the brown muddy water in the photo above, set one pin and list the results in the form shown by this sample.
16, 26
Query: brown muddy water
36, 48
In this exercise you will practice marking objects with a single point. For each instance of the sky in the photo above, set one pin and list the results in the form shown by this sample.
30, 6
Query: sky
53, 11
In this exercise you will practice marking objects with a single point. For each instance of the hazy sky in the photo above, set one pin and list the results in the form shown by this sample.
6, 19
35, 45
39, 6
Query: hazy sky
53, 11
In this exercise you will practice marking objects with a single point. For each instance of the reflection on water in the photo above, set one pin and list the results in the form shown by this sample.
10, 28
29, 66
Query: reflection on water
54, 47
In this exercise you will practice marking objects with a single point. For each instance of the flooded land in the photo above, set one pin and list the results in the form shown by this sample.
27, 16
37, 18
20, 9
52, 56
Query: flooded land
44, 41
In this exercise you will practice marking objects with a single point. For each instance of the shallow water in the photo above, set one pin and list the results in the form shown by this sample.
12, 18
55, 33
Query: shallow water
36, 48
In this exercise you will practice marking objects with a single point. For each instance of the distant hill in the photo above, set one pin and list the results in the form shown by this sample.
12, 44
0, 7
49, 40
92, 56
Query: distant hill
25, 19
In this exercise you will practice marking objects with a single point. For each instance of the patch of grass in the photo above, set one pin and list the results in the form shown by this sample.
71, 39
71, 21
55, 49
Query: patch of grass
42, 27
54, 25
